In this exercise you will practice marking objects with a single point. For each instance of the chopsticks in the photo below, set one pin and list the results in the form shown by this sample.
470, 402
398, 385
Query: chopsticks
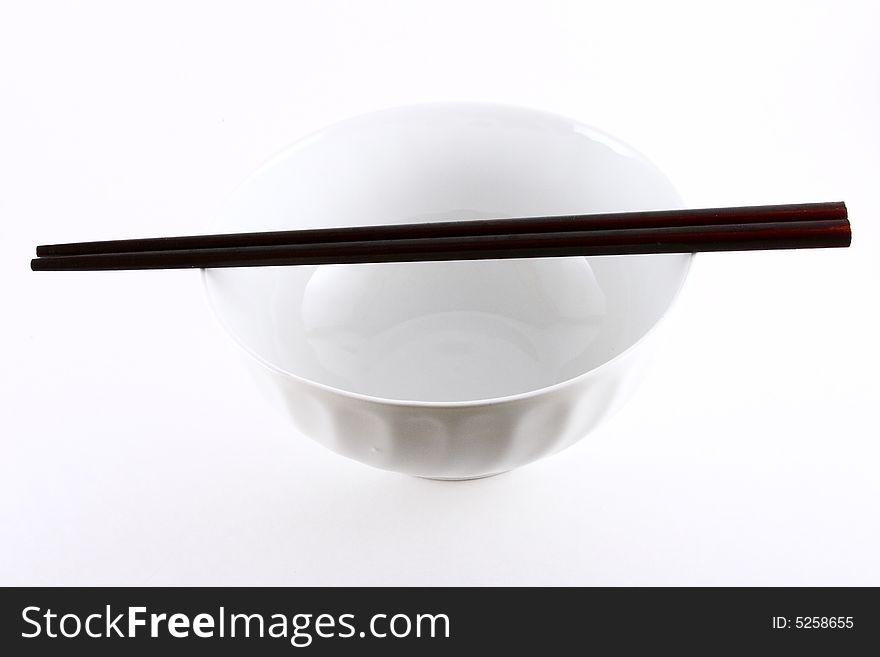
811, 225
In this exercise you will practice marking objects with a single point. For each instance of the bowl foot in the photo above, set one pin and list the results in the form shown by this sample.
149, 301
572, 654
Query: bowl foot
484, 476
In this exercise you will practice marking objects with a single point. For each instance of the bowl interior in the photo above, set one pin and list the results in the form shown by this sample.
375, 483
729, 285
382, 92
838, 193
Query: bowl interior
446, 331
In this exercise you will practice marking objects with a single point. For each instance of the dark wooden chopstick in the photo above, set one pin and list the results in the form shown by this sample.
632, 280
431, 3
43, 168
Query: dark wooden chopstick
816, 233
568, 223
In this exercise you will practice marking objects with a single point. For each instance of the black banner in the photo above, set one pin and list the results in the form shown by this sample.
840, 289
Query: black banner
255, 621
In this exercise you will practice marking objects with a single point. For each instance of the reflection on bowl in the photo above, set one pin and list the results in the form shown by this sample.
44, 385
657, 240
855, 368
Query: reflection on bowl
448, 369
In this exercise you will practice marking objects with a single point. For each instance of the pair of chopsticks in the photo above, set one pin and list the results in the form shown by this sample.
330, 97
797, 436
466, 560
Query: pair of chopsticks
809, 225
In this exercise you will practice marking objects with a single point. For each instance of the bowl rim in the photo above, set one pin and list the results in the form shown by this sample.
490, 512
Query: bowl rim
463, 403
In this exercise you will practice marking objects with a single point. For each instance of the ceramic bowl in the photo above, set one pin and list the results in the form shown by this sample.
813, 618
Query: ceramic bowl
448, 370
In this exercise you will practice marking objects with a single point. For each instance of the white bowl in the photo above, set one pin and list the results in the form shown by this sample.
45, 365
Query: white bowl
448, 369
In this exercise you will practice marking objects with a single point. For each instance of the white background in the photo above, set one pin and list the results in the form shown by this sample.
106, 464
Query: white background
136, 451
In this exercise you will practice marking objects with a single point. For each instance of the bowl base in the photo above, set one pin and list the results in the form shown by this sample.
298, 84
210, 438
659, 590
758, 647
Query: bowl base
484, 476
